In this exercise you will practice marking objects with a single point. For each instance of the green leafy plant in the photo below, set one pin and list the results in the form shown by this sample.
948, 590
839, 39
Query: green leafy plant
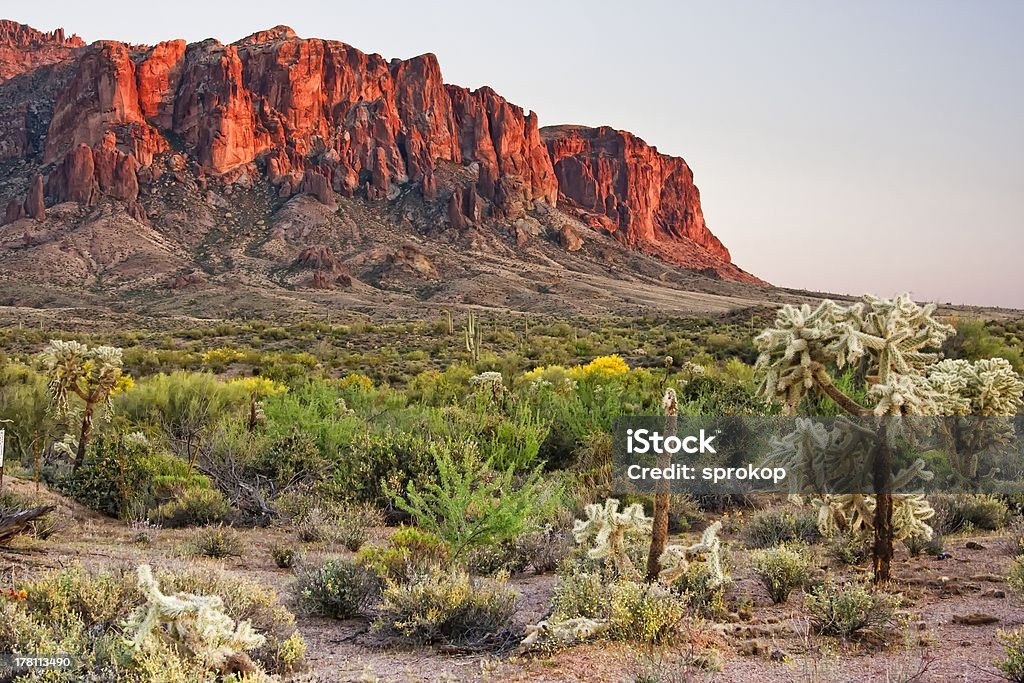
192, 507
283, 555
472, 504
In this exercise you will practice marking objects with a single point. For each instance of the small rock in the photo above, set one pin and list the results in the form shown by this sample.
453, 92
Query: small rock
994, 593
921, 625
975, 619
943, 556
779, 655
974, 545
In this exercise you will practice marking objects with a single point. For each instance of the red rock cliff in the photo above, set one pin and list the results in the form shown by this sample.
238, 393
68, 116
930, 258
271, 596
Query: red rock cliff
323, 118
625, 186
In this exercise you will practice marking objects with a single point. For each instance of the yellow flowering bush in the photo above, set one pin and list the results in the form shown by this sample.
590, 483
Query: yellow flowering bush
261, 386
356, 382
222, 356
601, 367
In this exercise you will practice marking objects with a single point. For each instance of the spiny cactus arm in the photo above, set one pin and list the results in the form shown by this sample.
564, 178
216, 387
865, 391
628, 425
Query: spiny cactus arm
565, 631
675, 559
196, 621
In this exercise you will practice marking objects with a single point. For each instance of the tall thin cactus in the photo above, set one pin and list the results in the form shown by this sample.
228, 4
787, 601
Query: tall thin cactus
474, 337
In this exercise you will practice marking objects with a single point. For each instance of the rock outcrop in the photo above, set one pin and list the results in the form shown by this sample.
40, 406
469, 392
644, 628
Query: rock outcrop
22, 48
623, 185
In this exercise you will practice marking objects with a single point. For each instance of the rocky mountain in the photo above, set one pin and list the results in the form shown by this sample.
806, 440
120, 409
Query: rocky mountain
279, 164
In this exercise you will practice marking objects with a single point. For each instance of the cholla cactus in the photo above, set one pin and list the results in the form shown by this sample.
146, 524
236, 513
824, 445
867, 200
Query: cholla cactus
891, 339
92, 375
892, 335
855, 513
607, 529
196, 623
564, 631
676, 558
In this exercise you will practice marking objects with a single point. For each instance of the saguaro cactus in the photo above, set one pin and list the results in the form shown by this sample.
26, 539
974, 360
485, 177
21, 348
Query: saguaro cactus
474, 337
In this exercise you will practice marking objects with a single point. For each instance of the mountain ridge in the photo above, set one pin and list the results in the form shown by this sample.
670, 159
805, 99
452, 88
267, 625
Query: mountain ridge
101, 140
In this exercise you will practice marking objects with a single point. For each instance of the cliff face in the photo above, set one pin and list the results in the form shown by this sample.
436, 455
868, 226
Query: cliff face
621, 184
320, 117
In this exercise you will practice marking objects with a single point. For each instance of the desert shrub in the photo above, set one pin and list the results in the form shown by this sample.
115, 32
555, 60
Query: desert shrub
644, 613
969, 512
354, 525
770, 528
448, 606
544, 549
1014, 541
471, 504
192, 507
112, 480
217, 542
80, 613
845, 610
409, 551
335, 587
781, 569
349, 525
580, 594
294, 458
701, 590
848, 548
1015, 579
373, 466
1012, 663
283, 555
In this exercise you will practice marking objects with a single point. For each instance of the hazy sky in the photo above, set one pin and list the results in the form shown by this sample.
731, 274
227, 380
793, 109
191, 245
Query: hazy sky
847, 147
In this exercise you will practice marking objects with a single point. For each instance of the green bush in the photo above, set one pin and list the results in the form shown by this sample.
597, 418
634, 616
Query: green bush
702, 591
193, 507
644, 613
781, 569
409, 551
335, 587
284, 556
1013, 663
355, 524
580, 594
845, 610
217, 542
448, 606
1014, 542
848, 548
969, 512
775, 527
470, 504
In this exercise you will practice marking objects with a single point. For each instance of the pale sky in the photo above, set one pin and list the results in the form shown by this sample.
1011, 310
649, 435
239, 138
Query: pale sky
838, 146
